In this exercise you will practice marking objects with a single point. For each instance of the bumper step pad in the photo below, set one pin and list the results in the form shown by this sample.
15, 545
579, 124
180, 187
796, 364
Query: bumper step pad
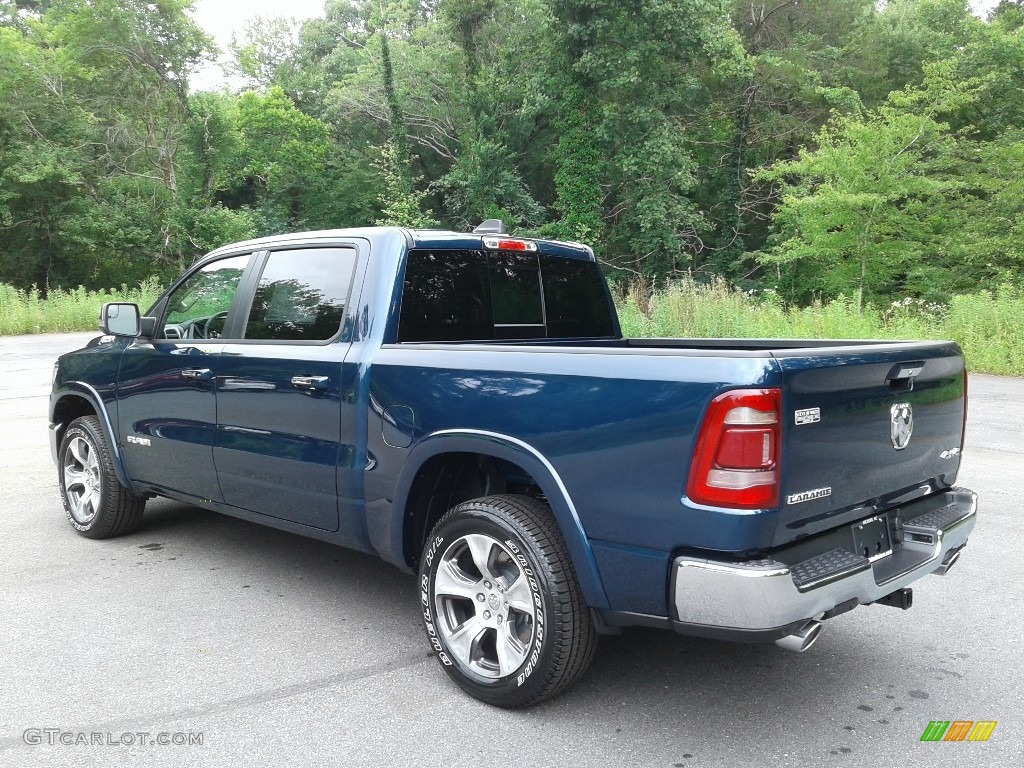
937, 519
826, 567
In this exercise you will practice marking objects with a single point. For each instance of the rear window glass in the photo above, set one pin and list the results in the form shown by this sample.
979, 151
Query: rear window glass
481, 296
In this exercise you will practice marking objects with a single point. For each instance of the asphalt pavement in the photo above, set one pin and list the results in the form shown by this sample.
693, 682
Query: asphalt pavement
274, 650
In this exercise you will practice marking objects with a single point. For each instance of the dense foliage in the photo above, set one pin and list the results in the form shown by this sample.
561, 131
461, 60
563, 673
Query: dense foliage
815, 148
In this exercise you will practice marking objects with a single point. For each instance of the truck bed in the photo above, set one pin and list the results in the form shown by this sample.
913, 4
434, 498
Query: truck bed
618, 420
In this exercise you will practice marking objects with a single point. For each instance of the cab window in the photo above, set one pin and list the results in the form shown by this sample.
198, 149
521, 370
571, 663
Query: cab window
198, 308
301, 295
453, 295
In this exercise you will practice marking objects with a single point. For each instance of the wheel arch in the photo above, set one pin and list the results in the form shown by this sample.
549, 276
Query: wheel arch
443, 450
78, 399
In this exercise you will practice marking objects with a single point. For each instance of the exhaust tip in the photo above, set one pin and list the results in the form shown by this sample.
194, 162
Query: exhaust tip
949, 562
802, 639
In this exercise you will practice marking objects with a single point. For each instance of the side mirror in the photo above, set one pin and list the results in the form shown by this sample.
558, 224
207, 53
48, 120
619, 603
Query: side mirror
119, 319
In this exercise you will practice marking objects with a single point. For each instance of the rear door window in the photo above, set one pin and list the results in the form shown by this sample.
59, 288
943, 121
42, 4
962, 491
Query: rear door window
301, 295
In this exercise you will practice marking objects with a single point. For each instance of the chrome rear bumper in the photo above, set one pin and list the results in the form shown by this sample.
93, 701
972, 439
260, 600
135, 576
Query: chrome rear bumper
762, 595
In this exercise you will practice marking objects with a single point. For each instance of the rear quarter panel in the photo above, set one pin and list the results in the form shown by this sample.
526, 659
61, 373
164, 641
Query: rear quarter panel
617, 427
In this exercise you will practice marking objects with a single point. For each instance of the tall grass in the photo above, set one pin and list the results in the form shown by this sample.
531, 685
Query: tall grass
74, 310
987, 325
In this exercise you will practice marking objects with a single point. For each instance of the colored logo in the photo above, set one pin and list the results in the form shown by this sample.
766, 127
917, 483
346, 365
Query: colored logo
958, 730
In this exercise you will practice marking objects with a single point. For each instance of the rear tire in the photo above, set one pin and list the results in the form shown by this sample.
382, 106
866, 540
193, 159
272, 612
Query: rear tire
501, 602
96, 503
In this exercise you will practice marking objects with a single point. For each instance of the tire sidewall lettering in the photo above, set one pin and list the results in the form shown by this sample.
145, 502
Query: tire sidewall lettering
426, 604
428, 555
538, 601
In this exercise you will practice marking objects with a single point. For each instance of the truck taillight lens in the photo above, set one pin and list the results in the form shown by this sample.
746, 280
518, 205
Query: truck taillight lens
736, 459
508, 244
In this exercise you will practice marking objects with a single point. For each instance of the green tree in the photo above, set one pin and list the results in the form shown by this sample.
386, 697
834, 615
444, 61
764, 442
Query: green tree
889, 134
284, 151
95, 97
484, 181
401, 204
265, 53
627, 79
799, 66
868, 211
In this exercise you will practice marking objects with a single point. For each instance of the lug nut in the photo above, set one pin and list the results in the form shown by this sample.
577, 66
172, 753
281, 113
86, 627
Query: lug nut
480, 597
499, 619
487, 585
487, 614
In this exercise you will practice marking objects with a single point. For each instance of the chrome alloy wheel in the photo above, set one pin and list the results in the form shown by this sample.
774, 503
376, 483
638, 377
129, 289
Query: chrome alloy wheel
82, 480
485, 606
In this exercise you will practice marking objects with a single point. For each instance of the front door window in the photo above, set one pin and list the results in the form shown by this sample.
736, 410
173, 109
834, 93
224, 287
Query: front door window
198, 308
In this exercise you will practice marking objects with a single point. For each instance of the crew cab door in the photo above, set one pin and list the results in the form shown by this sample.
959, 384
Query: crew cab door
280, 385
167, 409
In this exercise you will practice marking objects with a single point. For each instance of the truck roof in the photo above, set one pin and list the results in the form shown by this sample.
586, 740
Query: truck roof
414, 238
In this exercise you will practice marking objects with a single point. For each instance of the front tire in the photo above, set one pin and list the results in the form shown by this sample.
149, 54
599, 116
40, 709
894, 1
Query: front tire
96, 503
501, 603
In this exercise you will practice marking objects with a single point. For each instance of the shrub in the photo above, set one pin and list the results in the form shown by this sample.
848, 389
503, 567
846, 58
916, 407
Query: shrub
986, 325
77, 309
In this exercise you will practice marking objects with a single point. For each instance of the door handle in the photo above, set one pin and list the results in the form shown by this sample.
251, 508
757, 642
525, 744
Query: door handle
901, 377
310, 382
197, 373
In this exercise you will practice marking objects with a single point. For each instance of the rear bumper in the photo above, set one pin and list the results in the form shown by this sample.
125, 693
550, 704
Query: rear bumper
766, 597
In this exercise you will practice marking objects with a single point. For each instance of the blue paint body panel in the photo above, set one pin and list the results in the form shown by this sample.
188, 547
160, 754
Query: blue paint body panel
606, 428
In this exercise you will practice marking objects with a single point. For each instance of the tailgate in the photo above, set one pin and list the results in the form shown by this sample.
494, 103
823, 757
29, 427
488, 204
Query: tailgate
864, 427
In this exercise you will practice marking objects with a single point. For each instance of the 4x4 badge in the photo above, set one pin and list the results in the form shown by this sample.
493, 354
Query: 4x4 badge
901, 425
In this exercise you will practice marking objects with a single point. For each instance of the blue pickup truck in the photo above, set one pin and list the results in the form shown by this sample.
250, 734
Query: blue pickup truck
466, 407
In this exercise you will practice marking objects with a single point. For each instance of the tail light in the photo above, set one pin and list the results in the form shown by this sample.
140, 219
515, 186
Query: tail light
736, 459
508, 244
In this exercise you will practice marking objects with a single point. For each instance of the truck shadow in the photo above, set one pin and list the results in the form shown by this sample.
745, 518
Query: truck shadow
283, 563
